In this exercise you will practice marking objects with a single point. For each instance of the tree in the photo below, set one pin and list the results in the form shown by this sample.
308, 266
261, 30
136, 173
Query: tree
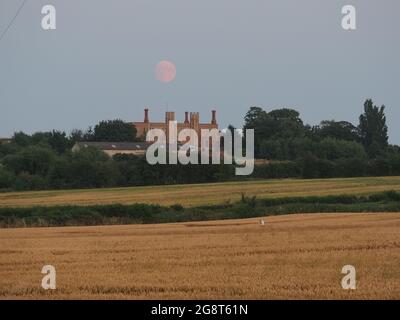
114, 130
341, 130
277, 124
334, 149
253, 117
90, 168
6, 178
35, 160
232, 131
76, 135
58, 141
256, 119
89, 134
21, 139
286, 123
372, 127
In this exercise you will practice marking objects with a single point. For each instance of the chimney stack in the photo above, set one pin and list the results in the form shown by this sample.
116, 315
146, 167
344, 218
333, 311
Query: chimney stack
146, 115
214, 117
169, 116
186, 117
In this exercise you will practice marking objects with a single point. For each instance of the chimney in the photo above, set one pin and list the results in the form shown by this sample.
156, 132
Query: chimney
169, 116
146, 115
186, 117
214, 117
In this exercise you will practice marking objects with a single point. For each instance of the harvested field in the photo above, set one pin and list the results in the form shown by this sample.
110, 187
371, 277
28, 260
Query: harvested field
290, 257
202, 194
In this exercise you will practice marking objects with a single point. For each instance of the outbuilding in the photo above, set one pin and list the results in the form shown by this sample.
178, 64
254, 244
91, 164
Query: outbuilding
113, 148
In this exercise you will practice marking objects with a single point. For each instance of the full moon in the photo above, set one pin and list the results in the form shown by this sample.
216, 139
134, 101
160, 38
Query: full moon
165, 71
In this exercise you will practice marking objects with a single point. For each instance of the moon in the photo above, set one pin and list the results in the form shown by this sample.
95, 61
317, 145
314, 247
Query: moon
165, 71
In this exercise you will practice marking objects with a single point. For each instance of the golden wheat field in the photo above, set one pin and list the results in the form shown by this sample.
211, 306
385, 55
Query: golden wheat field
201, 194
290, 257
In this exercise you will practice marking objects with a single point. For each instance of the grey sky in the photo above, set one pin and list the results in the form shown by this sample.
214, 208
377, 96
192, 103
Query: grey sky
230, 54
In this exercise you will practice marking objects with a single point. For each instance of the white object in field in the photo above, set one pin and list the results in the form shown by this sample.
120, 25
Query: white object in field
262, 222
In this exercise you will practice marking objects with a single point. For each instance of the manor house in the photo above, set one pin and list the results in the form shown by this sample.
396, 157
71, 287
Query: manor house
192, 121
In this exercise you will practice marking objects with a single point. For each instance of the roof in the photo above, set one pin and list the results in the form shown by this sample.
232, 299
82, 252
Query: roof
115, 145
5, 140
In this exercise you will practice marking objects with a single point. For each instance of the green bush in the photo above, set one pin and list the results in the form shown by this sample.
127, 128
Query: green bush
143, 213
6, 178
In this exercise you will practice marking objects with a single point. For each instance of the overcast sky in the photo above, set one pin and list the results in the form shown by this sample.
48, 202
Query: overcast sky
229, 55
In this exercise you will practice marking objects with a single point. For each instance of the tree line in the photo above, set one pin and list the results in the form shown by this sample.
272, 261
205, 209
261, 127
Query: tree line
330, 149
292, 149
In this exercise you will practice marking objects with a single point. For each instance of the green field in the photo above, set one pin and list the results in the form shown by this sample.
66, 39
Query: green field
202, 194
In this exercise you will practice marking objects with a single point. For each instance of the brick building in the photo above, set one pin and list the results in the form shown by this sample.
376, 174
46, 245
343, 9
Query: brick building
192, 121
